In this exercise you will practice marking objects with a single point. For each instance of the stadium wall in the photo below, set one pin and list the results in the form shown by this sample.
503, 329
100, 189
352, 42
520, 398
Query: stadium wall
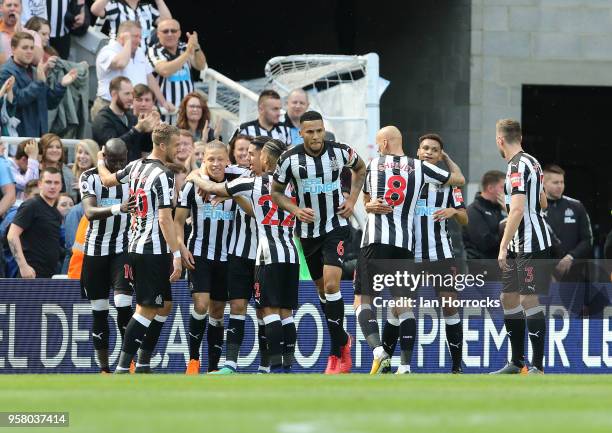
45, 328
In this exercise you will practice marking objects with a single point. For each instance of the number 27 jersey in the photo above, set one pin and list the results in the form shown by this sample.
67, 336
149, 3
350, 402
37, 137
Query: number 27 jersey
397, 180
274, 225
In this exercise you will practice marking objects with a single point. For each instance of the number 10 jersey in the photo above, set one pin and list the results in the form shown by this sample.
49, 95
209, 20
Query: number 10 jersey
397, 180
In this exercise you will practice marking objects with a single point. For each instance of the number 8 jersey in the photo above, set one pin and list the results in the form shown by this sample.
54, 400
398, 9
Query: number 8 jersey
397, 180
275, 226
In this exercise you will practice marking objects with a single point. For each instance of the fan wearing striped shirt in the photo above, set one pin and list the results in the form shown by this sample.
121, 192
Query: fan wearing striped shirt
276, 289
391, 192
433, 244
313, 169
524, 252
105, 260
268, 119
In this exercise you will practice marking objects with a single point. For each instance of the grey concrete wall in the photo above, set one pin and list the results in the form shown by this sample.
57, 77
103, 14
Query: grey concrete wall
516, 42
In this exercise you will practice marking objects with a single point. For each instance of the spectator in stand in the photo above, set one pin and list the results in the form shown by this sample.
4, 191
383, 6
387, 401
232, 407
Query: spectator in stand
199, 147
11, 23
7, 184
194, 116
52, 154
64, 205
24, 165
10, 266
8, 121
86, 155
239, 150
111, 13
482, 235
33, 9
32, 96
117, 120
34, 235
66, 17
121, 57
297, 104
267, 123
173, 61
184, 150
43, 29
144, 103
570, 222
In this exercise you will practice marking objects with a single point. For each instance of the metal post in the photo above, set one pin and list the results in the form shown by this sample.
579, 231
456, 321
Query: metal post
372, 102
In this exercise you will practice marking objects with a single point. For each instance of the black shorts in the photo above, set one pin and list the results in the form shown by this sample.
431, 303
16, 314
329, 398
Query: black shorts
381, 259
440, 274
276, 285
528, 273
150, 274
241, 273
327, 249
101, 274
209, 276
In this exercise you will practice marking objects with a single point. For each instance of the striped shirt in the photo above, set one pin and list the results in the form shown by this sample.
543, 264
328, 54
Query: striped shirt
243, 237
432, 241
316, 181
56, 11
210, 224
397, 180
110, 235
118, 11
176, 86
153, 184
275, 226
525, 176
253, 128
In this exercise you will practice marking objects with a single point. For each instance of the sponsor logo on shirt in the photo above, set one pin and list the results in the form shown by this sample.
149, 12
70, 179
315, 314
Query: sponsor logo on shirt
216, 212
516, 180
316, 186
109, 202
423, 210
457, 194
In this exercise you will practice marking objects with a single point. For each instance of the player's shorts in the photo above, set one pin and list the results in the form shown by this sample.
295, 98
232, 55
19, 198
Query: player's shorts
101, 274
241, 274
528, 273
150, 274
276, 285
380, 259
209, 276
327, 249
438, 274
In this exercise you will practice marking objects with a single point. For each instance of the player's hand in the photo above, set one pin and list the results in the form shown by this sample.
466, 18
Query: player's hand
130, 205
345, 210
101, 155
69, 78
31, 149
27, 271
215, 200
187, 257
177, 265
502, 259
564, 264
378, 206
305, 215
444, 214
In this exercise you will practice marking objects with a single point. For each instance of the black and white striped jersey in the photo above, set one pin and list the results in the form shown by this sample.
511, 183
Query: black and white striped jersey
243, 237
153, 185
316, 182
176, 86
432, 241
525, 176
210, 224
397, 180
118, 11
280, 131
275, 226
110, 235
56, 10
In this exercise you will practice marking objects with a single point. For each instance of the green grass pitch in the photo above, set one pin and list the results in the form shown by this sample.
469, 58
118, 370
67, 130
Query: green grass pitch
316, 403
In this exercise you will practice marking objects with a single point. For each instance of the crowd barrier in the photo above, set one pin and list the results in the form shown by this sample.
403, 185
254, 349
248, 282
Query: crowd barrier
45, 328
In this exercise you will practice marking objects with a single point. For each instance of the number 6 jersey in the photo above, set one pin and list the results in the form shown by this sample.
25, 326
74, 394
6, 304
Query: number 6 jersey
397, 180
275, 226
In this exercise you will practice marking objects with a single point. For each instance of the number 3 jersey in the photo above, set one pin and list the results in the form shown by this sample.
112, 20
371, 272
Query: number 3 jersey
275, 226
397, 180
153, 185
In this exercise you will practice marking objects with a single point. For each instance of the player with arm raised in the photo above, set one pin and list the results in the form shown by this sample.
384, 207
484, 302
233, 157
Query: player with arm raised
313, 169
105, 260
276, 291
154, 251
524, 251
391, 189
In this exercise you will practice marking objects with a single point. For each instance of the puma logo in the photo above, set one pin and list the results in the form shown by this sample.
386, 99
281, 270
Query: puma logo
337, 321
98, 336
457, 345
535, 334
194, 336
